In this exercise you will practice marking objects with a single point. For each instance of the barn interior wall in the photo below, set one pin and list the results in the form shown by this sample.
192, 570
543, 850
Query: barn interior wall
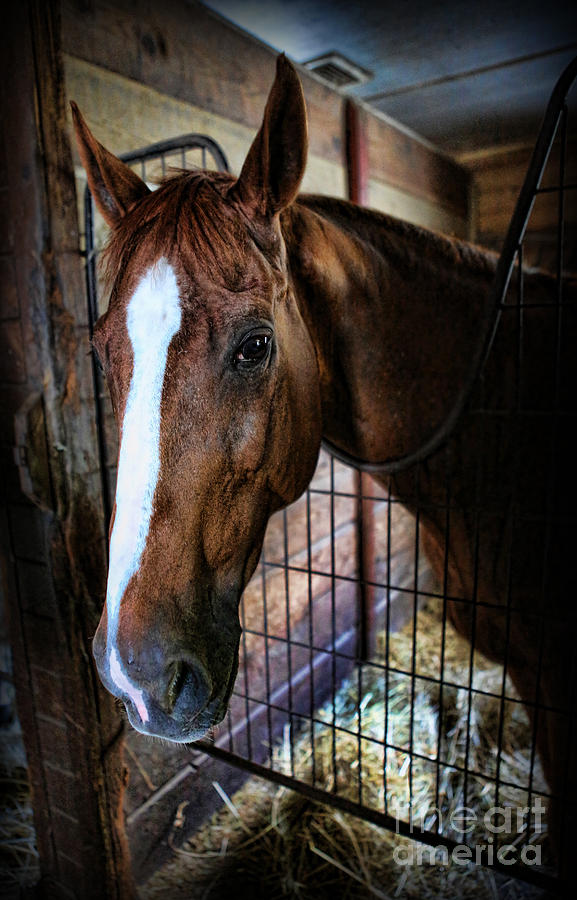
167, 69
126, 115
52, 539
497, 177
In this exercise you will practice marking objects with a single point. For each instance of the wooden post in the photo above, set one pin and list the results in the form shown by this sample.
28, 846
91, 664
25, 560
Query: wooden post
53, 561
357, 157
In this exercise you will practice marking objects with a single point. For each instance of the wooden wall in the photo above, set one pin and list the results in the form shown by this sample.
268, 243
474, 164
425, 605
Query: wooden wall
148, 71
497, 179
52, 559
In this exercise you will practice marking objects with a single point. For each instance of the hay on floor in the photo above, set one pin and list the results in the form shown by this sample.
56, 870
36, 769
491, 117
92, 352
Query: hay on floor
19, 865
270, 842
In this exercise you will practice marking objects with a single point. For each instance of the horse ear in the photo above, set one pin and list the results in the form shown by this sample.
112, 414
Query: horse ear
114, 186
275, 164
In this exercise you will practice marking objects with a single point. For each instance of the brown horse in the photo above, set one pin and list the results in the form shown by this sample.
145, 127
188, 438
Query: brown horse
246, 325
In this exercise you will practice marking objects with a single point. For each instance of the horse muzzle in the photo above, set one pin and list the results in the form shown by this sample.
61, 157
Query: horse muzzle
175, 698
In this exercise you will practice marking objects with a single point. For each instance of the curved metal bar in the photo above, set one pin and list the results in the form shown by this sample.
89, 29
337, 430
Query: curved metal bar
503, 272
528, 193
184, 142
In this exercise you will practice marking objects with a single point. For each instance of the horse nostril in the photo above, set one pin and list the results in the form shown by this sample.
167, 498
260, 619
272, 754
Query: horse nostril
175, 685
189, 685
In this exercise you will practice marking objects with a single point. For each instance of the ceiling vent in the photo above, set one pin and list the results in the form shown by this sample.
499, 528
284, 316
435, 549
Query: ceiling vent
338, 71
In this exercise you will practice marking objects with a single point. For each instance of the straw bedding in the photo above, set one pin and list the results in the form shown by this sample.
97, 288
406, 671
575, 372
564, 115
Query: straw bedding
270, 842
18, 854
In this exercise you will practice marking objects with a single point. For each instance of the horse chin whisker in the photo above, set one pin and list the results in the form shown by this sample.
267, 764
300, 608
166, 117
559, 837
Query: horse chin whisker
166, 742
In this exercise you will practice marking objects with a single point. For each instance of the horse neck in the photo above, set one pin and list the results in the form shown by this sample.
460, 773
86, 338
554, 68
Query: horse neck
396, 314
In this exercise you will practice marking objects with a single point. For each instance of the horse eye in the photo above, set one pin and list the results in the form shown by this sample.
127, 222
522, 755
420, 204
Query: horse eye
254, 349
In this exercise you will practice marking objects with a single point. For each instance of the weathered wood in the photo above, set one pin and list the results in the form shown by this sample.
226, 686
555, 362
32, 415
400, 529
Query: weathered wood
53, 563
187, 52
357, 159
497, 181
409, 164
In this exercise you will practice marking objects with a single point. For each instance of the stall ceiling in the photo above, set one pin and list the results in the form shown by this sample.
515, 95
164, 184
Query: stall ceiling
466, 76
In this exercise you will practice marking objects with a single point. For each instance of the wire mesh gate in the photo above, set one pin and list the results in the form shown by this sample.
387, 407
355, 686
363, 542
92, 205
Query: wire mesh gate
307, 711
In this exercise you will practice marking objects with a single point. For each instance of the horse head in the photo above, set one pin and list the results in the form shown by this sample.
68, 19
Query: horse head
214, 384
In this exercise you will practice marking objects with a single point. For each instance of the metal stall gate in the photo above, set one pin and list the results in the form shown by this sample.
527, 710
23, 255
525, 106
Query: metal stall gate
442, 724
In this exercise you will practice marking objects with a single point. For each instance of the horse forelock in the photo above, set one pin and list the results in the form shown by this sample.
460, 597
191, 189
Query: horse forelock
187, 219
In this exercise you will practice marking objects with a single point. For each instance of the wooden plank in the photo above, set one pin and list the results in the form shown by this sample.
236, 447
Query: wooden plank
187, 52
398, 159
54, 574
495, 213
498, 178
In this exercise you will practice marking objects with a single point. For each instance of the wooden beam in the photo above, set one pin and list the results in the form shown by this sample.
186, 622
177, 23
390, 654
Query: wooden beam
53, 562
357, 155
357, 163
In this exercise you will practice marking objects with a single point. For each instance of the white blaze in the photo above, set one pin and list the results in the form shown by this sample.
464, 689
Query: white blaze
124, 683
152, 319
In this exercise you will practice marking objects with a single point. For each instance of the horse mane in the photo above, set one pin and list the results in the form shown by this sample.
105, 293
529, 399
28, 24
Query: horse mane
408, 244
